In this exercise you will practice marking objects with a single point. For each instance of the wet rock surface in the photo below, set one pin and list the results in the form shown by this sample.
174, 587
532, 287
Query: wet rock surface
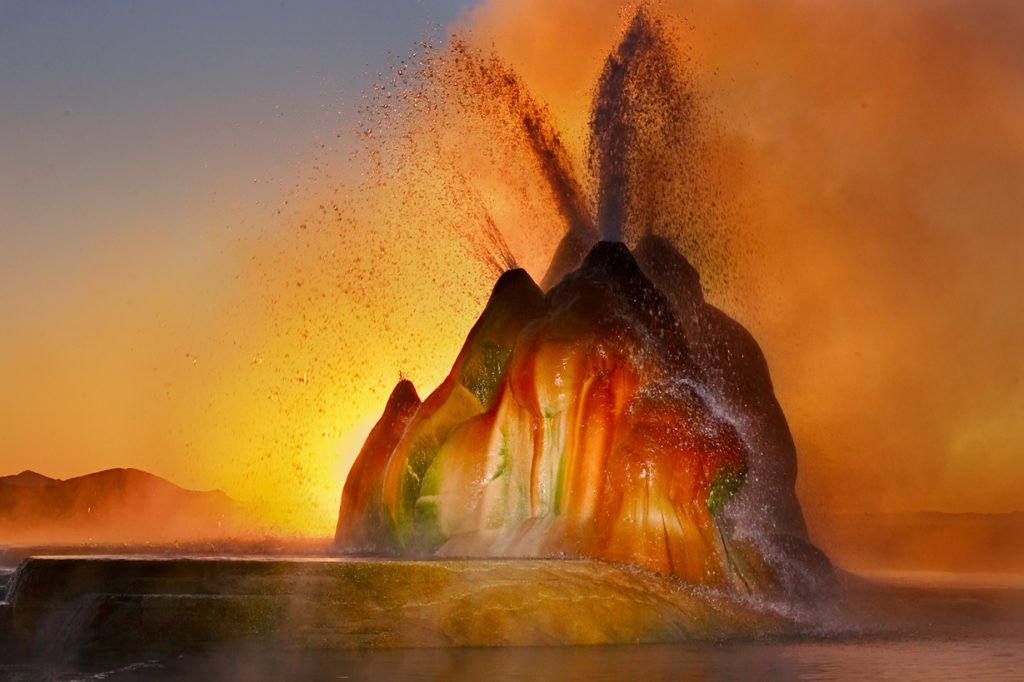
617, 417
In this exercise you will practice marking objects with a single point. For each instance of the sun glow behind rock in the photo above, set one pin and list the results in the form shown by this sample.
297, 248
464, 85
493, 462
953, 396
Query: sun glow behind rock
382, 267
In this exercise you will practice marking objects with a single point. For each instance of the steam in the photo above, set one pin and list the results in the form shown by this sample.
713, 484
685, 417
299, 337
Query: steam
865, 156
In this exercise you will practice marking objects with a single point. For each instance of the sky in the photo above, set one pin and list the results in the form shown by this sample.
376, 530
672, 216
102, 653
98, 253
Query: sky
192, 287
137, 139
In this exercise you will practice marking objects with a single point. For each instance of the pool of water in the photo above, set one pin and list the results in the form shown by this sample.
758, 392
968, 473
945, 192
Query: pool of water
964, 658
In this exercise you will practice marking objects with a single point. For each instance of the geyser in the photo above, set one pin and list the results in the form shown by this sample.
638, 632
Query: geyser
617, 416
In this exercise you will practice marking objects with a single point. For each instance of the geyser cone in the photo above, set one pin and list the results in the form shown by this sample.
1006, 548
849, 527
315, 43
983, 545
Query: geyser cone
593, 421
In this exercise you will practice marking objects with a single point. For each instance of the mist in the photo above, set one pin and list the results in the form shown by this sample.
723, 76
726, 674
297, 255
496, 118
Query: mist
869, 158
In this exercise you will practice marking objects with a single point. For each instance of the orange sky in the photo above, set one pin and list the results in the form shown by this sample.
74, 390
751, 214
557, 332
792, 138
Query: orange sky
872, 160
874, 156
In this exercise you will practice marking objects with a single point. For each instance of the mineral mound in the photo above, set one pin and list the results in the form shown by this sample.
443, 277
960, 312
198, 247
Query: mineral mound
618, 416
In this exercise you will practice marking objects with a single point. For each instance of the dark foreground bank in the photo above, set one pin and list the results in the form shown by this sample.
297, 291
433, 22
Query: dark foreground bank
109, 611
68, 618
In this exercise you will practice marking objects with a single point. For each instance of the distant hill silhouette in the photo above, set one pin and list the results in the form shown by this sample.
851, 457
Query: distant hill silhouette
115, 505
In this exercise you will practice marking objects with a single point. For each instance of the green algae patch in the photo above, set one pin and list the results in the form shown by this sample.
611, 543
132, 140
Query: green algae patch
725, 484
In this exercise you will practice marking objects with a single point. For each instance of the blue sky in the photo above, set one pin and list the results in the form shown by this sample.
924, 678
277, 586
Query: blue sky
148, 116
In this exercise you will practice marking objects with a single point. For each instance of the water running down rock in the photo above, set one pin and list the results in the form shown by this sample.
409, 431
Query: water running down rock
602, 420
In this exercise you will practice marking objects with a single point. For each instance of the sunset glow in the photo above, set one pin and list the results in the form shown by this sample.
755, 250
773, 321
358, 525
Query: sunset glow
233, 315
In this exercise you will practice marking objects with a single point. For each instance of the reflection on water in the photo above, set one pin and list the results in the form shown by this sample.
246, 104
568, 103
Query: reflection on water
985, 658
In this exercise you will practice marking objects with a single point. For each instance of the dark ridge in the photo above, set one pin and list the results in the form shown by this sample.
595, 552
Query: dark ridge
114, 505
667, 268
403, 394
613, 258
511, 280
568, 256
28, 478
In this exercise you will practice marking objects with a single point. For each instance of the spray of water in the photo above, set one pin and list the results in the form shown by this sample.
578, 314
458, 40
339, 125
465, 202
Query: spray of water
647, 148
646, 139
